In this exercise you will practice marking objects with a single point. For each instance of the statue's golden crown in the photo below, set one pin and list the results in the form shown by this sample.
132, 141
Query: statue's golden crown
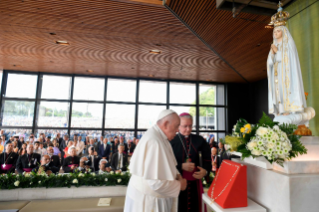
280, 18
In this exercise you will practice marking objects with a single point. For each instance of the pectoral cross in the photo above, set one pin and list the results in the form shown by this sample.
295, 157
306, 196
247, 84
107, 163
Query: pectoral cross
4, 165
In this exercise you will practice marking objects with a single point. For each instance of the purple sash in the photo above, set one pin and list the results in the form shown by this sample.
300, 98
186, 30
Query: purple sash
7, 167
189, 175
27, 169
76, 165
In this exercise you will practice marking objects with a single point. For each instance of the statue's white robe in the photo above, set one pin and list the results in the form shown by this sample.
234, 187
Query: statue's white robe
286, 91
153, 186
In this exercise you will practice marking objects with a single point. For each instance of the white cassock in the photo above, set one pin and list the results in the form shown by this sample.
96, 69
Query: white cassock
153, 186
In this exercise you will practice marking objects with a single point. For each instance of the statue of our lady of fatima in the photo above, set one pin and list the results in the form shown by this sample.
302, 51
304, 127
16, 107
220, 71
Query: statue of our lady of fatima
285, 86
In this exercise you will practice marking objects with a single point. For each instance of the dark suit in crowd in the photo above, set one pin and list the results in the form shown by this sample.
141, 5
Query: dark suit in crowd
27, 161
104, 151
94, 162
115, 161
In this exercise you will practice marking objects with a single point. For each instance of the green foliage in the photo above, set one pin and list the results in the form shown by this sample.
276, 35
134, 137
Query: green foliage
207, 98
266, 121
34, 180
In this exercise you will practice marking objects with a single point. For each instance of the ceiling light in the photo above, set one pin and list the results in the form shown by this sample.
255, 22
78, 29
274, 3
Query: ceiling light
89, 71
52, 33
158, 44
151, 75
269, 27
17, 66
155, 51
62, 42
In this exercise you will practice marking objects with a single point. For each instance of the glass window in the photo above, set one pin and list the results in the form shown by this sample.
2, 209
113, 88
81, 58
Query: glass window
55, 87
127, 135
88, 88
182, 93
53, 114
207, 118
220, 94
152, 91
207, 94
18, 113
25, 133
21, 85
148, 114
121, 90
51, 133
119, 116
88, 115
186, 109
86, 134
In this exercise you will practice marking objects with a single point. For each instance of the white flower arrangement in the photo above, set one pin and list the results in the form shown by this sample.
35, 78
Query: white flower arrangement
119, 180
75, 181
271, 143
93, 174
16, 183
204, 182
111, 172
106, 180
81, 175
39, 182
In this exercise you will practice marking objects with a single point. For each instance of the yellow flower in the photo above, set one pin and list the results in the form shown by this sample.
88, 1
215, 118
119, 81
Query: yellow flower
242, 130
247, 126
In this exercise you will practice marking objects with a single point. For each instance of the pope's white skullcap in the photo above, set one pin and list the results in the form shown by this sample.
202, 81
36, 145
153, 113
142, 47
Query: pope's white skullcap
165, 113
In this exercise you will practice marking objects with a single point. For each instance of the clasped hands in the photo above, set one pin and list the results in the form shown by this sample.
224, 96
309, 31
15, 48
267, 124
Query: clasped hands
189, 167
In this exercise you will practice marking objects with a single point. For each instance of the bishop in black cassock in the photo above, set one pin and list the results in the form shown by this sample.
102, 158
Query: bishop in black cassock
8, 160
192, 153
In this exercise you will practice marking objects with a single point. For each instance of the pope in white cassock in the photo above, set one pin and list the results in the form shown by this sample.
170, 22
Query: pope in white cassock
155, 182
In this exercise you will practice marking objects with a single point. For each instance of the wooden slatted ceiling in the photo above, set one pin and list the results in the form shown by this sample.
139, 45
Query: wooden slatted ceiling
109, 37
243, 41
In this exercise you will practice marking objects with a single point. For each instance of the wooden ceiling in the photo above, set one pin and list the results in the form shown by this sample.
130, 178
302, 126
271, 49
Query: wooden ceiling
114, 38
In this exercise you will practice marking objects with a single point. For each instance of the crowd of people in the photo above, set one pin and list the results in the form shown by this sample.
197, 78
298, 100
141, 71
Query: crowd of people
62, 155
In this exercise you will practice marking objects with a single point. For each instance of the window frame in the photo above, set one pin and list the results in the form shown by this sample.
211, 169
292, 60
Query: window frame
136, 130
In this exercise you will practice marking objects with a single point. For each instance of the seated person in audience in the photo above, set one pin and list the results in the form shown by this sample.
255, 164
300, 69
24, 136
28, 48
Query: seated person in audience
43, 150
24, 146
75, 138
54, 159
22, 140
131, 147
3, 140
93, 159
115, 145
87, 140
79, 146
119, 160
31, 139
1, 146
222, 154
214, 159
84, 164
36, 148
104, 166
28, 161
47, 141
15, 146
56, 149
8, 160
22, 151
16, 138
125, 145
104, 150
45, 166
72, 161
92, 144
66, 149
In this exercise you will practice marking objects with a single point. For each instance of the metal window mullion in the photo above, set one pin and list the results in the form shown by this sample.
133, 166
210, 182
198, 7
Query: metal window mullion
3, 93
136, 107
104, 105
37, 102
71, 105
167, 94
